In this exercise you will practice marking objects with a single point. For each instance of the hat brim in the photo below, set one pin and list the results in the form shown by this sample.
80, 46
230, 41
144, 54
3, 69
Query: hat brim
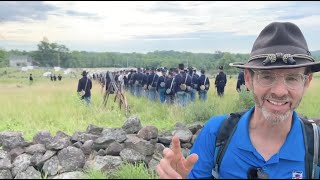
257, 64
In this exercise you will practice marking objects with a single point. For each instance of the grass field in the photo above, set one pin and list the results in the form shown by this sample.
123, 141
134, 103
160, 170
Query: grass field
55, 106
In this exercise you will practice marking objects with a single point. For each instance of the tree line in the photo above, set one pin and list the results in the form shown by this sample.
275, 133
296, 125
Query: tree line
54, 54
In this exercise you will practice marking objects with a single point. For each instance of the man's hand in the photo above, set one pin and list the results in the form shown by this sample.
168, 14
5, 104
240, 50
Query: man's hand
174, 165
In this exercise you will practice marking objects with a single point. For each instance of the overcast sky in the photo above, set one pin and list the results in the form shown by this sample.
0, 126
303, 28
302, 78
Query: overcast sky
138, 26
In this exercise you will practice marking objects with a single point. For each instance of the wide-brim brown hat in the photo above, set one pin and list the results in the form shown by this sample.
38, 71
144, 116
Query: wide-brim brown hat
84, 73
280, 45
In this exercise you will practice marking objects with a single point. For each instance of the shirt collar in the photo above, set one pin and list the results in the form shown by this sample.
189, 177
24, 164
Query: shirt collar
292, 149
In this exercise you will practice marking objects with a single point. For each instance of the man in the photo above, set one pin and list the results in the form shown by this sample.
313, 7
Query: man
137, 81
169, 87
241, 81
161, 85
194, 84
59, 77
152, 84
203, 86
84, 88
221, 81
182, 86
30, 79
269, 137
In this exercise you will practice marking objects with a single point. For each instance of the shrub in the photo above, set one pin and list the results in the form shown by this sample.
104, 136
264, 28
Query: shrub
246, 100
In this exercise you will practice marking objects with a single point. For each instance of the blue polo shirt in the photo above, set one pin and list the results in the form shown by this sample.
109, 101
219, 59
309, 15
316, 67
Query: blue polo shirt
242, 155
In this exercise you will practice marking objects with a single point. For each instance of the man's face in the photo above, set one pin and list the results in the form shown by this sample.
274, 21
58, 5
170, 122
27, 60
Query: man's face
277, 93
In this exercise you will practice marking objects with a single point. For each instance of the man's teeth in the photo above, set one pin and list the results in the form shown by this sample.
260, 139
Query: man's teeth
277, 103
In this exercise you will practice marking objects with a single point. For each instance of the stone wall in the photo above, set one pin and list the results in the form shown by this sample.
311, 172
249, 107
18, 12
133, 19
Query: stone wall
65, 157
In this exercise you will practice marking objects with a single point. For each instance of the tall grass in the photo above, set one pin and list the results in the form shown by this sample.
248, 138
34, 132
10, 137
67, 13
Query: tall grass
53, 106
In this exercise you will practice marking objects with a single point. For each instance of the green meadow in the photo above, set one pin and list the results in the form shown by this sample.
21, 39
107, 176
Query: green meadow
55, 106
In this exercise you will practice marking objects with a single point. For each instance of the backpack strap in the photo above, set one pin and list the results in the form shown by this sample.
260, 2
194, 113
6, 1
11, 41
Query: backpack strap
225, 133
311, 139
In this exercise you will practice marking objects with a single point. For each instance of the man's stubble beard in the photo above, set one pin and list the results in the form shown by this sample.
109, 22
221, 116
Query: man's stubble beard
274, 117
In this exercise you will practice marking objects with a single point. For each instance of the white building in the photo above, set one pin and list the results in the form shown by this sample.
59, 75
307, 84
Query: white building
20, 61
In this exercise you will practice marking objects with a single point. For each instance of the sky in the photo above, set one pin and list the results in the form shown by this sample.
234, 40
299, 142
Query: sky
137, 26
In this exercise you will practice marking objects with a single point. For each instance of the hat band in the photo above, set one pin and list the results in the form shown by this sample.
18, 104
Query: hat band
286, 58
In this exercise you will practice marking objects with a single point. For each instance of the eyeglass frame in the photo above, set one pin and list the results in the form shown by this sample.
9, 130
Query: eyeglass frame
305, 75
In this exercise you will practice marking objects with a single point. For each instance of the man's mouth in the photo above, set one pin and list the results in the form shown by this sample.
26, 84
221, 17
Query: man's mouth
277, 103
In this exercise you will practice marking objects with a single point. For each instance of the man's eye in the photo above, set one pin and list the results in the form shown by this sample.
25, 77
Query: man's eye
267, 77
293, 78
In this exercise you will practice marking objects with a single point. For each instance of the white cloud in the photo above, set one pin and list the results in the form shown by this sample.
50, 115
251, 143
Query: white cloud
113, 21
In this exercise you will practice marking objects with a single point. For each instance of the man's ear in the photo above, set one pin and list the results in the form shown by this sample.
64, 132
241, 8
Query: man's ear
248, 79
308, 80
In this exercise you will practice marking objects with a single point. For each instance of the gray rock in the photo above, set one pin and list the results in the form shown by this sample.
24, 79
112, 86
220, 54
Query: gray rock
114, 149
194, 137
148, 132
45, 157
51, 167
185, 152
184, 135
10, 140
132, 125
5, 174
159, 148
5, 164
117, 134
4, 154
131, 156
87, 147
35, 159
71, 159
195, 127
29, 173
16, 152
71, 175
165, 140
186, 145
37, 148
142, 146
59, 143
154, 141
101, 152
104, 163
83, 137
93, 129
21, 163
102, 143
42, 137
77, 144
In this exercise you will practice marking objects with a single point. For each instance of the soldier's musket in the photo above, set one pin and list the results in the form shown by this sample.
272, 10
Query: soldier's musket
118, 95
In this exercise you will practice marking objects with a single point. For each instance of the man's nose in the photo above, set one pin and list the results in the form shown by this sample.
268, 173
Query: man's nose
279, 87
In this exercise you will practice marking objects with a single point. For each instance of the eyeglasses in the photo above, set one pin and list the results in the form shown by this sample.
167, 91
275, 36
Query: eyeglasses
291, 80
256, 173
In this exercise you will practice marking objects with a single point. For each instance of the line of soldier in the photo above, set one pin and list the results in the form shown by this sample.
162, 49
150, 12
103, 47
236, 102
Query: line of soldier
176, 85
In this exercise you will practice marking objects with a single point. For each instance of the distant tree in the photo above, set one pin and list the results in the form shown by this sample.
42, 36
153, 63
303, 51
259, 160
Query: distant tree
4, 61
51, 54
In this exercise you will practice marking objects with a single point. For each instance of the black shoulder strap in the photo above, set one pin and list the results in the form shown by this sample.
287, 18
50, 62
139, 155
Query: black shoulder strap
311, 135
225, 133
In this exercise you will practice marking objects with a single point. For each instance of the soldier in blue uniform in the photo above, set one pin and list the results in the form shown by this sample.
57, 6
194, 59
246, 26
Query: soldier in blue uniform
170, 87
194, 84
152, 84
161, 85
221, 81
203, 86
137, 81
130, 82
240, 81
85, 85
183, 85
145, 82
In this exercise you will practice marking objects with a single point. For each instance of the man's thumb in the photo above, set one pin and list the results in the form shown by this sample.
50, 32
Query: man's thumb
190, 161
